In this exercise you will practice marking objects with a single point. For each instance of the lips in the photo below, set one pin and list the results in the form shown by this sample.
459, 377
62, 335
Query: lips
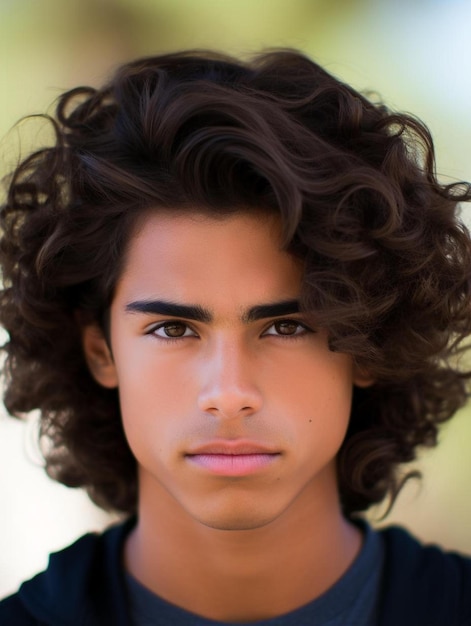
234, 447
232, 458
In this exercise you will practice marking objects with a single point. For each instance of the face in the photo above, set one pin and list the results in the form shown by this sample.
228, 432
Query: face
231, 401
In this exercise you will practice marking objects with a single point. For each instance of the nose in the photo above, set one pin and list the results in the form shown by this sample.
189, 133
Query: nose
228, 386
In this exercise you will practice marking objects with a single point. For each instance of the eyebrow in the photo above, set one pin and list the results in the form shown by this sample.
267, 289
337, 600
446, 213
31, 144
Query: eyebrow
164, 307
200, 314
275, 309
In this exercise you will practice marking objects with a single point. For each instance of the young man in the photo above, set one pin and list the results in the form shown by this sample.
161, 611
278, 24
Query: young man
236, 292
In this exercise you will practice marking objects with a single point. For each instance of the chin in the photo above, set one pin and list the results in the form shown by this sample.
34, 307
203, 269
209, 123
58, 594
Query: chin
236, 524
237, 520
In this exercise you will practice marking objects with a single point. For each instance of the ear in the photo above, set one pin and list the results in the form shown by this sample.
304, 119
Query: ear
361, 377
98, 356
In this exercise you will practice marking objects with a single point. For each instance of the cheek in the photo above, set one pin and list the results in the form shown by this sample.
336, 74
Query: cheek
155, 398
322, 378
317, 393
149, 375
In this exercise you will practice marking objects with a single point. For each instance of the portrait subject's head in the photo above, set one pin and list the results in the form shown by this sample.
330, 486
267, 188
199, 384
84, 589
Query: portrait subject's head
236, 292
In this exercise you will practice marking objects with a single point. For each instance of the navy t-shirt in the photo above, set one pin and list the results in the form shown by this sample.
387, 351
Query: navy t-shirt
353, 600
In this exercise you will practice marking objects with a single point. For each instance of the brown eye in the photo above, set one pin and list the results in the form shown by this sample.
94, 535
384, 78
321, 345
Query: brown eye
172, 330
287, 327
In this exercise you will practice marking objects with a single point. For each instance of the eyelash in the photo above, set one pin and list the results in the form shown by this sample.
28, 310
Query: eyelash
303, 330
153, 329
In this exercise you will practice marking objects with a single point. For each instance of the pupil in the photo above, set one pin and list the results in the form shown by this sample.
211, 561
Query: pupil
174, 330
286, 328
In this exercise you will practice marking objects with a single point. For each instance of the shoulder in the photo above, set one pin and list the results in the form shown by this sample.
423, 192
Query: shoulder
82, 582
424, 583
14, 613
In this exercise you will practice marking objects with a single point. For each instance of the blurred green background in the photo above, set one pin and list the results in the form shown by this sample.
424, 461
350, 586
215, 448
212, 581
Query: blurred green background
415, 53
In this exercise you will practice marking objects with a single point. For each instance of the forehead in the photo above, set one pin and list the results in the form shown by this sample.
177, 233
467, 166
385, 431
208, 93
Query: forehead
229, 260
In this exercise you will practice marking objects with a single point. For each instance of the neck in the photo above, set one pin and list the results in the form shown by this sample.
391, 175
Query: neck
240, 575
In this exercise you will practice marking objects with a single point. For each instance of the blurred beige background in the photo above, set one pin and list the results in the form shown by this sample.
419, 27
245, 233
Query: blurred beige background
415, 53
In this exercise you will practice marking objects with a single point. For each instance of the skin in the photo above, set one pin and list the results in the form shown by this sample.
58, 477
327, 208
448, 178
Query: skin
228, 546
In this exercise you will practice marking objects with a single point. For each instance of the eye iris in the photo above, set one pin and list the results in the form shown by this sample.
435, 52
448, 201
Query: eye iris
286, 328
174, 329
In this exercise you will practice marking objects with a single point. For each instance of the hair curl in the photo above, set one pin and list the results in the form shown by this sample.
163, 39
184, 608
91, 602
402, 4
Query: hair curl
388, 263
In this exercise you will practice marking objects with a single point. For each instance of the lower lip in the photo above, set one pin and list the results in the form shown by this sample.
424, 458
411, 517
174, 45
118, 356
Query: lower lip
232, 464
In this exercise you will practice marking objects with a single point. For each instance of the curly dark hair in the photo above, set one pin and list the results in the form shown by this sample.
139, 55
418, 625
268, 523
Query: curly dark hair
387, 260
